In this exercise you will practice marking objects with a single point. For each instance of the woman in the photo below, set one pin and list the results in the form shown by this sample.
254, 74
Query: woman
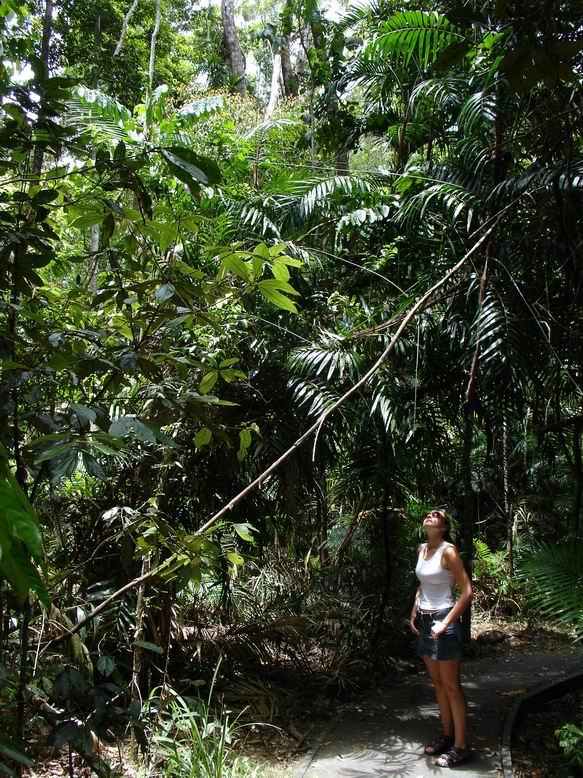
435, 620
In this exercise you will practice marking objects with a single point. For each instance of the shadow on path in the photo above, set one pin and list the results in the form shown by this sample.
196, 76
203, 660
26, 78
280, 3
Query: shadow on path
383, 735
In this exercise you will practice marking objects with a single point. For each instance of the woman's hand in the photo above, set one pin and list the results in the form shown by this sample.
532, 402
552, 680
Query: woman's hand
412, 624
437, 629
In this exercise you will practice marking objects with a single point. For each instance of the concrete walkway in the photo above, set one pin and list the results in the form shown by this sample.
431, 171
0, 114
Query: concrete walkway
383, 735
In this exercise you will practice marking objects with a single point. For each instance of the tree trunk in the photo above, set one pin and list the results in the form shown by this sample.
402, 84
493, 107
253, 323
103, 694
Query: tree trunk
506, 492
37, 161
139, 631
388, 566
234, 52
274, 91
124, 27
403, 150
290, 80
2, 605
578, 476
153, 40
312, 128
23, 673
469, 517
96, 51
322, 520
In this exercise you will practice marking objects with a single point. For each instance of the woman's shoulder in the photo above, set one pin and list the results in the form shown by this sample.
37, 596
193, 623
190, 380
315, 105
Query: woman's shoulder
450, 552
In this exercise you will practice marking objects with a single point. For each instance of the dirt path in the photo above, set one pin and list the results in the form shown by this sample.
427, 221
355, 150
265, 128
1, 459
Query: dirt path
383, 735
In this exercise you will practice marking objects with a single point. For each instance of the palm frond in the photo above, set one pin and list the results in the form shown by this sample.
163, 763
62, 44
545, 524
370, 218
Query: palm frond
373, 12
331, 356
362, 215
445, 94
564, 176
420, 34
254, 217
200, 109
456, 195
415, 133
375, 72
264, 128
556, 575
328, 188
315, 393
472, 156
478, 109
92, 107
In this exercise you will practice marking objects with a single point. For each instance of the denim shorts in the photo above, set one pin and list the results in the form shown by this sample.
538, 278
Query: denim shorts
447, 646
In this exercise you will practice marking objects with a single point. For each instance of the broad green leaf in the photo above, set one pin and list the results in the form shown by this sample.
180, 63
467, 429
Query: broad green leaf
164, 292
262, 251
244, 443
244, 531
278, 285
143, 432
280, 271
161, 437
276, 297
122, 426
208, 381
290, 261
188, 270
235, 558
279, 248
23, 576
190, 167
202, 437
84, 411
92, 466
105, 665
11, 749
148, 646
88, 219
235, 264
65, 732
53, 452
103, 449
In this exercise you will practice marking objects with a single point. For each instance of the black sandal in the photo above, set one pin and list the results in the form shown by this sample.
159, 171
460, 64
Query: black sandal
439, 745
455, 757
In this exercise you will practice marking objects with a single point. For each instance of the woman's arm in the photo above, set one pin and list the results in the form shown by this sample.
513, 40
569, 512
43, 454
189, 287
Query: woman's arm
452, 561
412, 624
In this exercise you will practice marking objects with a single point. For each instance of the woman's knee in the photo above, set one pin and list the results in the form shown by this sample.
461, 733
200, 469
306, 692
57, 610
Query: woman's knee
438, 684
452, 688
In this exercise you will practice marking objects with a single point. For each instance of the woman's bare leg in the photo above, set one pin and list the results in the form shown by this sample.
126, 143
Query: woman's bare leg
449, 674
447, 720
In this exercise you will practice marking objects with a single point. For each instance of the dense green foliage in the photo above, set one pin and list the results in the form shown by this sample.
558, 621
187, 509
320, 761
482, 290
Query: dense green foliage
187, 284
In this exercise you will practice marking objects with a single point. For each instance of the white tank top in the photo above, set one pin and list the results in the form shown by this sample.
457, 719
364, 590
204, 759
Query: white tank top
437, 583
